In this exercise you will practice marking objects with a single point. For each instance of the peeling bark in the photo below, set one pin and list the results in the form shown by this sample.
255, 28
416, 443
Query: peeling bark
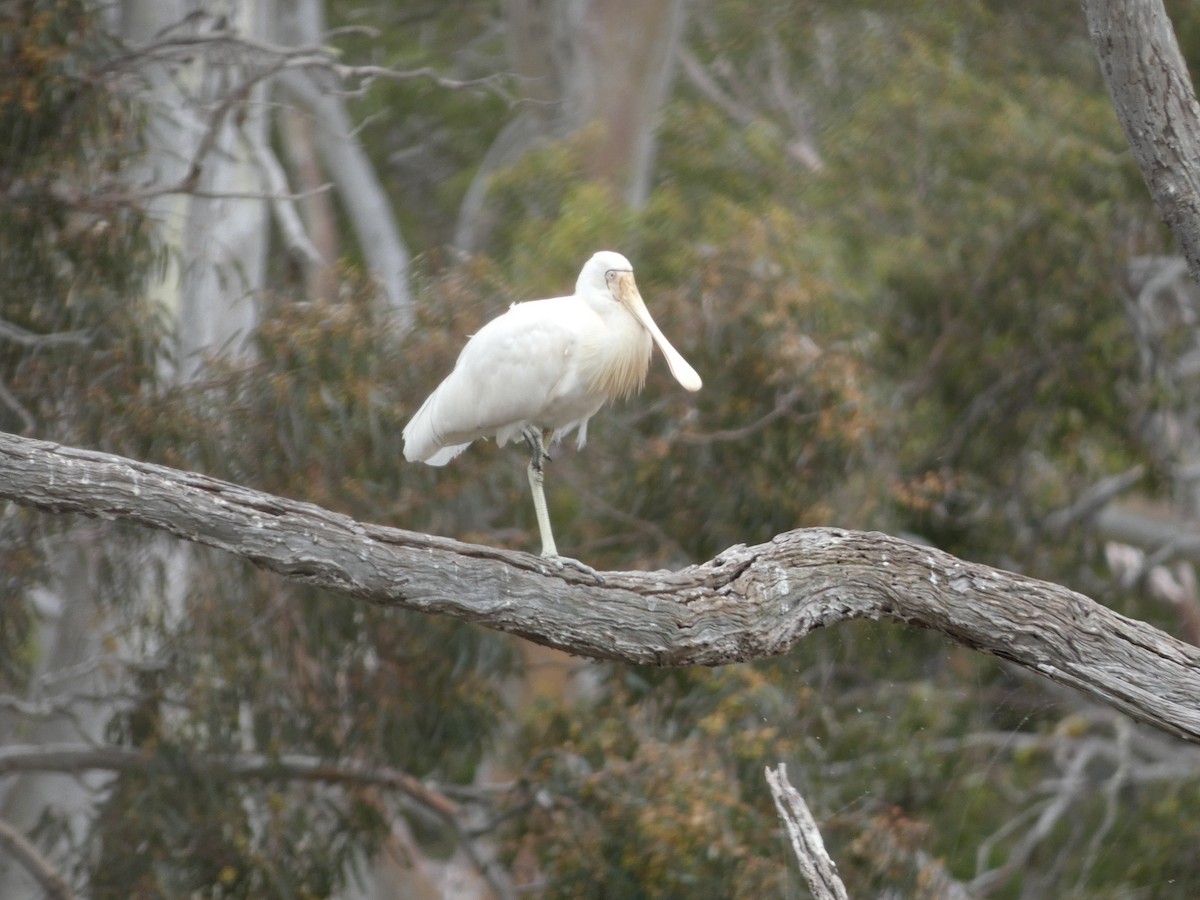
747, 603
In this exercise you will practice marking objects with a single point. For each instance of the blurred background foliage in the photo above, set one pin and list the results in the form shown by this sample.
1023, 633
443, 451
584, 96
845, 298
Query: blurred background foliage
916, 322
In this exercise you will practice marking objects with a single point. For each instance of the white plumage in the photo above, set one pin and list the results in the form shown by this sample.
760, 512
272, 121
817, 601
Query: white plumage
542, 369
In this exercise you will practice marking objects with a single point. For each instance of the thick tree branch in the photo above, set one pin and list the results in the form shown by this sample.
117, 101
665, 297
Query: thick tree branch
747, 603
1156, 103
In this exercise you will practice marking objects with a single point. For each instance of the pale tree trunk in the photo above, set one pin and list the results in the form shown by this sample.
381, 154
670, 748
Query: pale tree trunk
216, 243
215, 251
366, 203
81, 645
599, 68
209, 181
69, 664
226, 239
624, 59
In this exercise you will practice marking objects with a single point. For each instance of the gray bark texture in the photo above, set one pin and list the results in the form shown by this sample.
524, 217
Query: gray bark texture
1154, 98
747, 603
817, 868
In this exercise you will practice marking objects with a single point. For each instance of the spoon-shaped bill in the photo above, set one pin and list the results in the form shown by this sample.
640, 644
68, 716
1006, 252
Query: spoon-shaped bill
680, 368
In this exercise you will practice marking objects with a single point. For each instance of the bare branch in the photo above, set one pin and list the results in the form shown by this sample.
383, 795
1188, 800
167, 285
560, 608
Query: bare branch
801, 147
784, 406
272, 57
1112, 792
358, 184
708, 87
77, 758
819, 871
290, 226
1093, 499
47, 711
253, 61
1068, 791
367, 74
18, 335
30, 859
747, 603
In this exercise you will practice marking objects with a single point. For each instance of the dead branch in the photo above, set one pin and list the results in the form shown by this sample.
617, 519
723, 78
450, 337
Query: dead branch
819, 871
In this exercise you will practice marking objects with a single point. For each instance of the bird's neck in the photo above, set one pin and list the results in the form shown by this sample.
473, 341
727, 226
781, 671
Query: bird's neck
615, 359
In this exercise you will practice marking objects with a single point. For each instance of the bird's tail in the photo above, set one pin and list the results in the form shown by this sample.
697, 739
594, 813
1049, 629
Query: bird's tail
423, 443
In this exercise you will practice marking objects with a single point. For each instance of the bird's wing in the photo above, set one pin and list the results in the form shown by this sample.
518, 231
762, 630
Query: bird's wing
504, 377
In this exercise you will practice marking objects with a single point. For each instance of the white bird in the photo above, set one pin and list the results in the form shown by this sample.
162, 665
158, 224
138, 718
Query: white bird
541, 370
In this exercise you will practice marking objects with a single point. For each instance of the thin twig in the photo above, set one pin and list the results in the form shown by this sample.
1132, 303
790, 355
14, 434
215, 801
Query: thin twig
708, 87
183, 48
1093, 499
783, 406
1068, 790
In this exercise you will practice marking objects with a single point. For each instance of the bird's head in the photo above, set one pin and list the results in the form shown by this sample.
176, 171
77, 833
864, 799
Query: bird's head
610, 274
599, 271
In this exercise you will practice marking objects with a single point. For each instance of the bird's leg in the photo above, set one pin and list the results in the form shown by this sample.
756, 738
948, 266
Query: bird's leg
537, 455
536, 439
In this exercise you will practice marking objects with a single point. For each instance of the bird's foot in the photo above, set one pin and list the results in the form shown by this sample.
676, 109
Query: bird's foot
564, 562
536, 439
